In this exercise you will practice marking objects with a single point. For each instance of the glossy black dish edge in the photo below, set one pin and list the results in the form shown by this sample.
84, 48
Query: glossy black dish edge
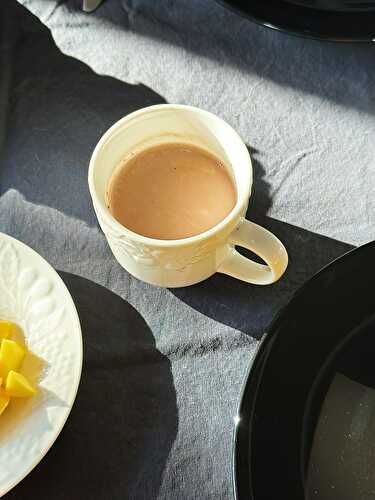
242, 432
307, 22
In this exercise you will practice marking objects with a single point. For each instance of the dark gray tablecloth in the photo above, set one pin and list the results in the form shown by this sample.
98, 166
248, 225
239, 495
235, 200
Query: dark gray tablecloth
163, 369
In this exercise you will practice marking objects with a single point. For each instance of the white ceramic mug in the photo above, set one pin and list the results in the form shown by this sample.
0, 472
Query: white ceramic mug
176, 263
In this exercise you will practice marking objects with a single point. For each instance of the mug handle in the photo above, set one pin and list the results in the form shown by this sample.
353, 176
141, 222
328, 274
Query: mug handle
261, 242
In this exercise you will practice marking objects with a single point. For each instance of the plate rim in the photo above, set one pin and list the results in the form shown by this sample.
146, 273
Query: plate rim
257, 360
26, 248
313, 34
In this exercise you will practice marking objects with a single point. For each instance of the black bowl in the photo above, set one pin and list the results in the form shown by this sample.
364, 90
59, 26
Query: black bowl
333, 20
290, 442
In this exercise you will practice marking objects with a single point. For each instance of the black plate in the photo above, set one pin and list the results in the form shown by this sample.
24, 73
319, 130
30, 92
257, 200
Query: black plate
349, 21
328, 328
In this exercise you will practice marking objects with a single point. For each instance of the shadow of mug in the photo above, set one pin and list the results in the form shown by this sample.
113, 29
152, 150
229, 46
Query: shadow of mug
124, 421
250, 308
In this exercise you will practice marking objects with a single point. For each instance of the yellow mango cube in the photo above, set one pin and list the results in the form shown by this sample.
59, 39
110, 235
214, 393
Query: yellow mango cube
11, 356
4, 401
7, 328
18, 386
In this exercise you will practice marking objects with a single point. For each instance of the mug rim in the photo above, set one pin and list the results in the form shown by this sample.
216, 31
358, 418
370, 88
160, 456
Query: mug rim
104, 211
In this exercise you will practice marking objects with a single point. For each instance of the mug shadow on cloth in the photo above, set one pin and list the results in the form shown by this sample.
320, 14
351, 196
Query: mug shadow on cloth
123, 424
249, 308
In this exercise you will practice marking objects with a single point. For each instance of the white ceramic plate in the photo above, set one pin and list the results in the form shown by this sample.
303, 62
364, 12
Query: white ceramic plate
33, 295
